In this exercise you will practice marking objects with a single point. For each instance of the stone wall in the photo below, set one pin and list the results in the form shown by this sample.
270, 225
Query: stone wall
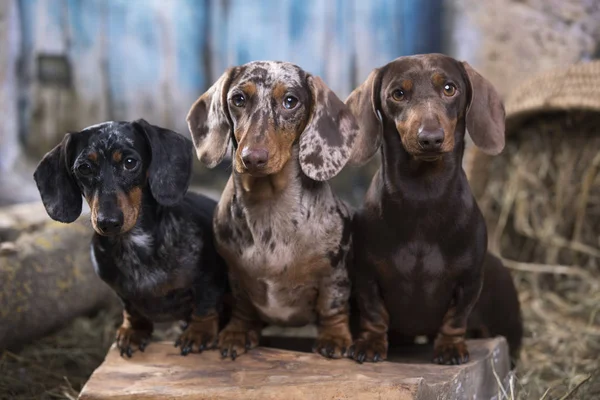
510, 40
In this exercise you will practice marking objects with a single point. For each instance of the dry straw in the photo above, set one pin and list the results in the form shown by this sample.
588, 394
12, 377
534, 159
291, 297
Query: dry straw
541, 199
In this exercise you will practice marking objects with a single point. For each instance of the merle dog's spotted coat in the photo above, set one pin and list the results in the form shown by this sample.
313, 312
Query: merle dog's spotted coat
153, 243
283, 233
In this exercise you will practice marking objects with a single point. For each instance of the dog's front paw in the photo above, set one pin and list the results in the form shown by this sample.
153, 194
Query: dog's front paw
199, 334
450, 352
332, 346
372, 349
233, 343
129, 338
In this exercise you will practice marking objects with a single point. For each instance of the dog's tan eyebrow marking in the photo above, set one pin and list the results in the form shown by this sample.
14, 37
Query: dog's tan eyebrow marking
438, 79
279, 90
93, 156
117, 156
407, 85
248, 88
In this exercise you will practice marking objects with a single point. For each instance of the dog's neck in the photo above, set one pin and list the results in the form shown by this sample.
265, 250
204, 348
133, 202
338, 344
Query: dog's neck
402, 173
263, 188
287, 183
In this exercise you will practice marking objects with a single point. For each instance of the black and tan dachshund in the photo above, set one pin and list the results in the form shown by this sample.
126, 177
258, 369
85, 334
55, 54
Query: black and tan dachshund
153, 241
420, 240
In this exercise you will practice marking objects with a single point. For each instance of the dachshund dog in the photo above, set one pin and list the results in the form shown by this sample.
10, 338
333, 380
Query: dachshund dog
284, 235
153, 243
420, 241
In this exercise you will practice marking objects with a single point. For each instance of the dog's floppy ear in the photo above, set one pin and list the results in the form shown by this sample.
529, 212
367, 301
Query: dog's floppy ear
485, 113
364, 104
329, 136
209, 122
60, 194
170, 168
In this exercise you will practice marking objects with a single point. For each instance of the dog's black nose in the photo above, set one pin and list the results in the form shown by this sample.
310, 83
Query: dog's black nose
431, 139
110, 224
255, 158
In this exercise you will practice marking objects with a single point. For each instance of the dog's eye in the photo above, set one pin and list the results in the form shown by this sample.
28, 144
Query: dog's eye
238, 100
130, 163
290, 102
84, 170
398, 95
449, 89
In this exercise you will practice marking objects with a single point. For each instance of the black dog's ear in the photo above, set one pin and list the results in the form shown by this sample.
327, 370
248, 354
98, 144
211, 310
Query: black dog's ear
364, 104
485, 113
60, 194
170, 169
329, 136
209, 123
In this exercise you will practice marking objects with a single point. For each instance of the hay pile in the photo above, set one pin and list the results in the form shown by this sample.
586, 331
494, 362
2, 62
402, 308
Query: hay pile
57, 366
542, 204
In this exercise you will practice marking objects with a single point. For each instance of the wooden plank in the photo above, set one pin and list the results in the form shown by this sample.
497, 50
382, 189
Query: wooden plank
268, 373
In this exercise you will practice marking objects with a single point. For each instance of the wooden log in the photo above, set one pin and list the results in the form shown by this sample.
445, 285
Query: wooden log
46, 274
268, 373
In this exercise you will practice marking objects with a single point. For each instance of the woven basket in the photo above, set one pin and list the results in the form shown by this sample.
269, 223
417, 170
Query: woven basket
574, 88
567, 89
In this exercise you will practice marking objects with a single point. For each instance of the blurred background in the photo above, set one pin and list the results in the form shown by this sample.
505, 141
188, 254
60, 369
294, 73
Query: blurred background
68, 64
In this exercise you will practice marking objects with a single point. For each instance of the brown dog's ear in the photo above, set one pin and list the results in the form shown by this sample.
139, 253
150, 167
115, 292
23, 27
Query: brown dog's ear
329, 136
364, 104
209, 123
485, 113
60, 194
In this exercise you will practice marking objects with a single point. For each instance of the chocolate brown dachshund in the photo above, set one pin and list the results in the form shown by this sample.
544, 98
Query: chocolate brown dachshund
420, 240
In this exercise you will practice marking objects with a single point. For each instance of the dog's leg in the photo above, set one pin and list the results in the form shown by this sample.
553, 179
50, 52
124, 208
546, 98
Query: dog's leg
203, 325
334, 338
135, 331
372, 343
242, 333
201, 332
450, 346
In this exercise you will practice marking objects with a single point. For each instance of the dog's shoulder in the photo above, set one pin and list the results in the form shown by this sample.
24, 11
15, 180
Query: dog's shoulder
195, 209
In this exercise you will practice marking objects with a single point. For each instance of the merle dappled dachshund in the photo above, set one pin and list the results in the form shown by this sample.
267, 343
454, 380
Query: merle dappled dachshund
420, 240
153, 243
285, 236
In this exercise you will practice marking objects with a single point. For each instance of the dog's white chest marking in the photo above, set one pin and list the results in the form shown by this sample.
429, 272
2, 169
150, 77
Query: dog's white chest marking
273, 308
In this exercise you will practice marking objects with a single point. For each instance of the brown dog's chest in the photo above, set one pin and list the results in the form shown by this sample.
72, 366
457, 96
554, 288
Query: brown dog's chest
417, 285
419, 263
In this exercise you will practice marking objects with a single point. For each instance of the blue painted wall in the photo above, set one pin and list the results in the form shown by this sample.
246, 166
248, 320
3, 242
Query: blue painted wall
152, 58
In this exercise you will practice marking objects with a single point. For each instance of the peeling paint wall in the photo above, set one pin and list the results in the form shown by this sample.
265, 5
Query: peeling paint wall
81, 62
10, 39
